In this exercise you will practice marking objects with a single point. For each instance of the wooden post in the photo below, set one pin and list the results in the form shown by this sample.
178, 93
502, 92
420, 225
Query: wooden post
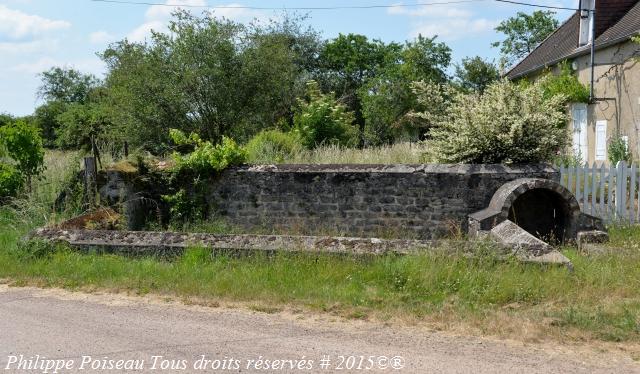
611, 210
90, 179
126, 149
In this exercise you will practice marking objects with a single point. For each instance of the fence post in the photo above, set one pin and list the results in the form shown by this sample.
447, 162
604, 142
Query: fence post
620, 189
586, 186
578, 180
603, 213
594, 189
570, 179
90, 179
632, 193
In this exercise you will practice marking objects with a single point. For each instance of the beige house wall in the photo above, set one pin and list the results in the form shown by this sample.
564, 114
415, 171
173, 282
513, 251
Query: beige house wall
617, 88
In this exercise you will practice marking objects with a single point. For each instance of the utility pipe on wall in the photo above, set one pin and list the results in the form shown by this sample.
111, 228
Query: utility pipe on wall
593, 50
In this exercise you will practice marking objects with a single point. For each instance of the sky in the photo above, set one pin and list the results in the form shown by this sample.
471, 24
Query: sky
36, 35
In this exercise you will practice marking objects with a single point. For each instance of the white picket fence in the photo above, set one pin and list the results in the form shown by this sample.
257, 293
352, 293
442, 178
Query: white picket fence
608, 192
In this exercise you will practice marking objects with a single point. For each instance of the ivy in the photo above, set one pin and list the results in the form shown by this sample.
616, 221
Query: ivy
566, 83
203, 160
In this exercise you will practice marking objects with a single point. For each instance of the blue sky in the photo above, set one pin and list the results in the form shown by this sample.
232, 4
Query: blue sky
38, 34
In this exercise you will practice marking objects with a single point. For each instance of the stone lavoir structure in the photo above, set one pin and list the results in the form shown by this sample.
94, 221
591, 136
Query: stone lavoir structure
347, 208
401, 201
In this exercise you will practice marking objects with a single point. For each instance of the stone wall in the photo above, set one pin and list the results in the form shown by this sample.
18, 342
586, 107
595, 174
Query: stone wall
417, 201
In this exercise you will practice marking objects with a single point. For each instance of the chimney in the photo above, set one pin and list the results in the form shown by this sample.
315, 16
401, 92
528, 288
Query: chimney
586, 18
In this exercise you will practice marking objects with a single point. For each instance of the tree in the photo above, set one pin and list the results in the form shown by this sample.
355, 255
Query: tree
346, 63
474, 74
82, 123
212, 76
524, 33
66, 85
388, 98
5, 119
62, 89
45, 118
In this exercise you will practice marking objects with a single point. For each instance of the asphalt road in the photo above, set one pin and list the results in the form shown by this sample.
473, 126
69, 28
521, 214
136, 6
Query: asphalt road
78, 332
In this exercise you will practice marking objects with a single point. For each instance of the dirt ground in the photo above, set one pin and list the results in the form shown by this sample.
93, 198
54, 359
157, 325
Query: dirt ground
104, 328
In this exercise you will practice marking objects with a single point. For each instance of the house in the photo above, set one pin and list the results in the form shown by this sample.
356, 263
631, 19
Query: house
614, 108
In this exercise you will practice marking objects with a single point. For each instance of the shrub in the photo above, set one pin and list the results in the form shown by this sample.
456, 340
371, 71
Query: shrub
507, 124
618, 150
206, 157
22, 143
204, 160
273, 146
21, 156
323, 120
10, 181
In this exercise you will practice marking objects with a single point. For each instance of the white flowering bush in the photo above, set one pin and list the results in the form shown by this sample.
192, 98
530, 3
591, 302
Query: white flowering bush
509, 124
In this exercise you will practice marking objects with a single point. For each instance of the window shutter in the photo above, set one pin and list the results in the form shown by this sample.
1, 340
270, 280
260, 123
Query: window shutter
601, 140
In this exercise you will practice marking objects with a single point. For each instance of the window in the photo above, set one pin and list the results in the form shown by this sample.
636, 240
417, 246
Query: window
579, 127
601, 140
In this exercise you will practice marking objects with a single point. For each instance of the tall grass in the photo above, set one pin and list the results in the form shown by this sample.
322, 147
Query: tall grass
399, 153
34, 207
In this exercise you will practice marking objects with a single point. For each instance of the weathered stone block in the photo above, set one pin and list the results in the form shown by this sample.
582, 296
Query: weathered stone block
589, 237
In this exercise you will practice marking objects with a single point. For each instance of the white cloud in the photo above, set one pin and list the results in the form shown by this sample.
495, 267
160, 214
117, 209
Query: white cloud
16, 24
100, 37
449, 22
156, 12
35, 67
452, 29
157, 16
430, 11
20, 48
231, 11
90, 65
141, 32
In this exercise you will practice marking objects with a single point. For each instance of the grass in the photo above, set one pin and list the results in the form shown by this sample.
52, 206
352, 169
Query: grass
599, 301
399, 153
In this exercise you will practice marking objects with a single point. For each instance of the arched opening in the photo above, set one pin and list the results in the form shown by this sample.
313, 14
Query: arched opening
542, 213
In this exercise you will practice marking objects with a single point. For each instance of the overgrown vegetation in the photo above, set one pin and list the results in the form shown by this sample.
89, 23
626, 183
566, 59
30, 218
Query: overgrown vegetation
507, 124
618, 150
201, 161
209, 76
565, 83
204, 158
21, 156
273, 146
322, 120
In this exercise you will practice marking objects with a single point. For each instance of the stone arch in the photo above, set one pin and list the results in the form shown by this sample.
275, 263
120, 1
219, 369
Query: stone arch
542, 207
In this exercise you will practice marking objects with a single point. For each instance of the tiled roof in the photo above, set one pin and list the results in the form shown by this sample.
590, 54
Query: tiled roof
562, 43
